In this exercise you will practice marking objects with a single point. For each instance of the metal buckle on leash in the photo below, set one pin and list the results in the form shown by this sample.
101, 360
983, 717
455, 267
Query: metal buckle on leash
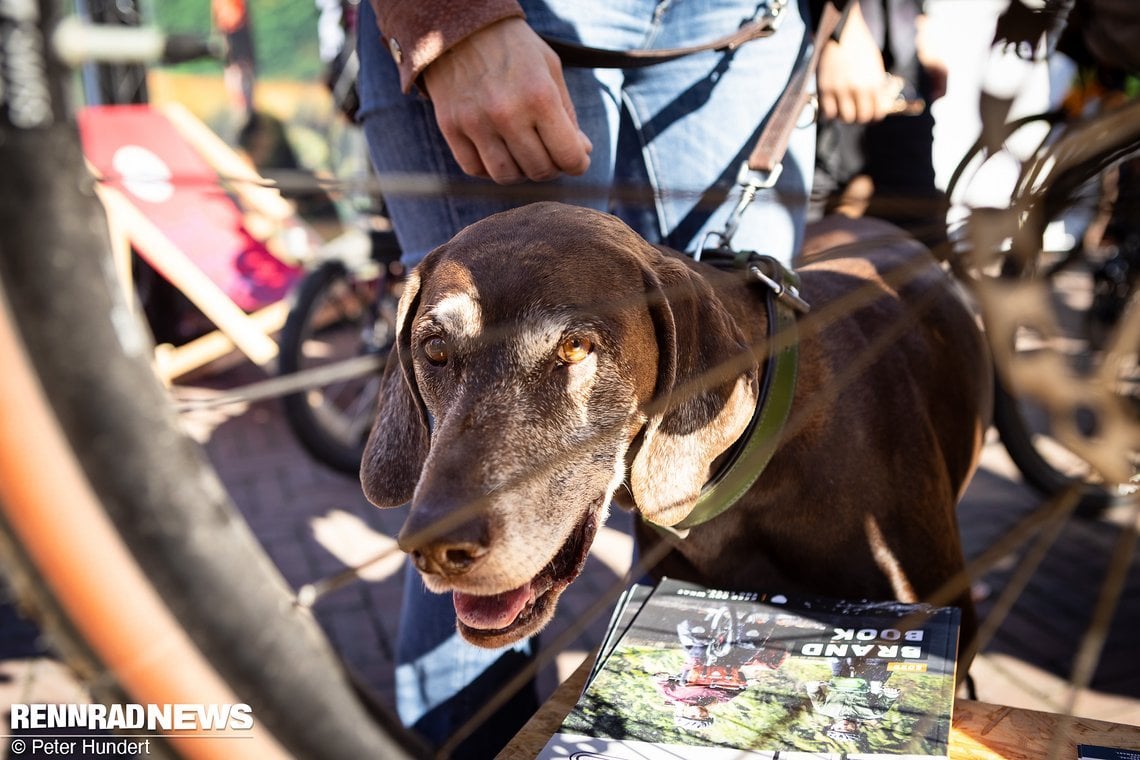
751, 182
774, 13
780, 281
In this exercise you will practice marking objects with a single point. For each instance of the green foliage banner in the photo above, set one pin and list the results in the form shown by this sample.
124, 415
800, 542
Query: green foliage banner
284, 34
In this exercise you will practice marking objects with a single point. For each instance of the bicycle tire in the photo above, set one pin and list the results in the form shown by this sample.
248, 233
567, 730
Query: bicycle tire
139, 567
1018, 440
321, 426
1060, 179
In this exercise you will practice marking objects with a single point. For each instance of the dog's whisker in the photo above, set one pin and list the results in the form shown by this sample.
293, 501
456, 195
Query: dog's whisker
309, 594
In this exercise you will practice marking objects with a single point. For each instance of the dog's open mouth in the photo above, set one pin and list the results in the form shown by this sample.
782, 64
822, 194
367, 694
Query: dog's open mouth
499, 619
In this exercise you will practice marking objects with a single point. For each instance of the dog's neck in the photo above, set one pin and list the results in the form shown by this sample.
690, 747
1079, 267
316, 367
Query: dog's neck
746, 460
741, 464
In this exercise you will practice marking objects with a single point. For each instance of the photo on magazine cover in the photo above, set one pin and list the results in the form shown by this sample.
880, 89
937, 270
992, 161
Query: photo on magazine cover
706, 668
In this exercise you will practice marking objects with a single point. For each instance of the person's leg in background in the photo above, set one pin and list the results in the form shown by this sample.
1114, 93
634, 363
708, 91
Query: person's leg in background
885, 169
441, 681
898, 152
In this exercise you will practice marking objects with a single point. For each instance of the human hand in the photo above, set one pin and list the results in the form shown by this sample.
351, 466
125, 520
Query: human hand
852, 82
928, 44
503, 107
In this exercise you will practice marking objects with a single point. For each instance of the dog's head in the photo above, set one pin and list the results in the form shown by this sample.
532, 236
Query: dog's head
534, 374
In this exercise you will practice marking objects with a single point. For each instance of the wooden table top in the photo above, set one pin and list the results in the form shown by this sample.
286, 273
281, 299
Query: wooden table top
981, 731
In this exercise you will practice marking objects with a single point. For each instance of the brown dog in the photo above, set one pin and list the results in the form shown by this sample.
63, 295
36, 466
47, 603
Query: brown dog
550, 360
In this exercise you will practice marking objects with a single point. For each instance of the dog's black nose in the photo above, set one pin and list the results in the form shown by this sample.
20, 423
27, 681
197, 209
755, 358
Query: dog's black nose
444, 558
445, 534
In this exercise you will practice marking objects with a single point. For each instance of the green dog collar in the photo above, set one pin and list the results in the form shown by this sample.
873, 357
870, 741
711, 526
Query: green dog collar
756, 446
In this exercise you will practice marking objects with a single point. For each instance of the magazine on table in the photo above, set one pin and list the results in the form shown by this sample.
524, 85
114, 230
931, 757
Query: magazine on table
1096, 752
624, 612
691, 672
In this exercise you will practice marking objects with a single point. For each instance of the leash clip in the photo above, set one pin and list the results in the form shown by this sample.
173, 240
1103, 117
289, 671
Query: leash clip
757, 179
774, 14
751, 181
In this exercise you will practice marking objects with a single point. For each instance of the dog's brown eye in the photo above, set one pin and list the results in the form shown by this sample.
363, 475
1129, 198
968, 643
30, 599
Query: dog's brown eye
435, 349
574, 349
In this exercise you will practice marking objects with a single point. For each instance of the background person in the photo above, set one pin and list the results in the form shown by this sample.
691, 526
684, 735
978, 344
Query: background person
231, 19
875, 140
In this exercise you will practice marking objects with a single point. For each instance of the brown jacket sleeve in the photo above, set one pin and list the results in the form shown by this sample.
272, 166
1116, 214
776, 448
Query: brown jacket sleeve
416, 32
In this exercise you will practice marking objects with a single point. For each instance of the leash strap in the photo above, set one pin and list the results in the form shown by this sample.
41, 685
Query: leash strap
765, 163
769, 152
767, 155
582, 56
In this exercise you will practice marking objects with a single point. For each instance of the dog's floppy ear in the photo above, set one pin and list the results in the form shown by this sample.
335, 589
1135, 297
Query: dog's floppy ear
704, 397
398, 443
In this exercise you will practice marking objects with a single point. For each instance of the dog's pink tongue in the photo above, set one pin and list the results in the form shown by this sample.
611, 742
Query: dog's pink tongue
490, 612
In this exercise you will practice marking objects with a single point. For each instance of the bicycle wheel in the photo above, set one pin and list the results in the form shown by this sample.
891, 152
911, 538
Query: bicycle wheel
114, 528
1045, 463
1067, 405
336, 315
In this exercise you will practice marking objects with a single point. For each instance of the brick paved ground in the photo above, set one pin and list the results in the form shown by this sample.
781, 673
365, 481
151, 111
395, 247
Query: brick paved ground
314, 522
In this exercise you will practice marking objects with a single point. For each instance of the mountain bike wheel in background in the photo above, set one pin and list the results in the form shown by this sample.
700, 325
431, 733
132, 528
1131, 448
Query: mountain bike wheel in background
114, 529
1067, 401
1046, 462
337, 314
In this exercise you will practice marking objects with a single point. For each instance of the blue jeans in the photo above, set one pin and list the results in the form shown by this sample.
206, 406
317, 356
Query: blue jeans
680, 129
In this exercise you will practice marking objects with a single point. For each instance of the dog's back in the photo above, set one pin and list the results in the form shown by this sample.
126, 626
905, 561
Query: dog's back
917, 317
891, 405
